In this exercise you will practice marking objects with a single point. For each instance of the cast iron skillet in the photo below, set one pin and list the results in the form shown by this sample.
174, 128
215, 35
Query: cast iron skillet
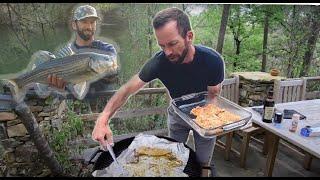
192, 169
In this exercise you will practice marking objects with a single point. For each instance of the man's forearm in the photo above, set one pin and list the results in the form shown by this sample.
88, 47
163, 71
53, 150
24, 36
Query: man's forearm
116, 101
120, 97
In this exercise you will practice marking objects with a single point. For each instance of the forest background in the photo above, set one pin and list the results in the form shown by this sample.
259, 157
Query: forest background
250, 37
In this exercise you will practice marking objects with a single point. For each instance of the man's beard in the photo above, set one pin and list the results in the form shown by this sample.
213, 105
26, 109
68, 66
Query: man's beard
83, 36
182, 57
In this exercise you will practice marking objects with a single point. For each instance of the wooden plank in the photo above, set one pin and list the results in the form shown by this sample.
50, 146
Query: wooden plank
289, 95
223, 91
127, 113
228, 81
307, 160
277, 91
162, 132
273, 149
295, 95
313, 95
244, 149
31, 93
228, 145
298, 94
265, 144
285, 95
232, 98
140, 92
304, 89
228, 88
312, 78
281, 95
237, 89
291, 82
222, 145
229, 92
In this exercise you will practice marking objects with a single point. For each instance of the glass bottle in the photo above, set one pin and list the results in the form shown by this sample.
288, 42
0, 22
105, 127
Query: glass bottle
268, 107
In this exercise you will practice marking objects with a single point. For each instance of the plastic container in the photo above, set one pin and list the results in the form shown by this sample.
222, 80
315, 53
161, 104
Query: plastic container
309, 131
183, 105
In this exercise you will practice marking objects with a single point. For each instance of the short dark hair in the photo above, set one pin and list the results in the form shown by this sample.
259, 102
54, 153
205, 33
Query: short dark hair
173, 14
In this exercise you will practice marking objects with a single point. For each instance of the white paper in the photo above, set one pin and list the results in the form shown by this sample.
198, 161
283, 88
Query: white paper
178, 149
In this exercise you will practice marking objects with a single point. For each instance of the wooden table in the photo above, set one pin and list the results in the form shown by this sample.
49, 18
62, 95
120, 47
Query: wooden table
309, 108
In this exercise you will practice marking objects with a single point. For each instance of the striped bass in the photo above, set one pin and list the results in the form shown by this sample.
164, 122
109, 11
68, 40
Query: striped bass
78, 70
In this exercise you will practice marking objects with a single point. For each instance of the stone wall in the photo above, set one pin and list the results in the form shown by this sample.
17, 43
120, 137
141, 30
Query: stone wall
20, 157
253, 87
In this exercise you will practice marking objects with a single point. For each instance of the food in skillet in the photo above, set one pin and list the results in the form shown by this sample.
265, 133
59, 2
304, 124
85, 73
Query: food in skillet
155, 162
211, 116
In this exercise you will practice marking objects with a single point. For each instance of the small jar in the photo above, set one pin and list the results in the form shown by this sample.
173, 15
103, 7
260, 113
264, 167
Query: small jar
277, 118
294, 123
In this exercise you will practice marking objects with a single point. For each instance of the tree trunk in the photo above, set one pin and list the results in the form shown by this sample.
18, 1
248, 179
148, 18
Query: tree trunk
292, 44
43, 32
238, 42
311, 43
223, 26
29, 121
265, 42
184, 7
236, 36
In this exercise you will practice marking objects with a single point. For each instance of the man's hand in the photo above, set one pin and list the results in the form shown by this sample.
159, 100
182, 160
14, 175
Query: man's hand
57, 82
102, 132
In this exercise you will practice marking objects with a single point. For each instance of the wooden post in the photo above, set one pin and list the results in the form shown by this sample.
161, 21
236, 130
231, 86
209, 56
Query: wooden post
228, 146
307, 161
265, 144
29, 121
272, 152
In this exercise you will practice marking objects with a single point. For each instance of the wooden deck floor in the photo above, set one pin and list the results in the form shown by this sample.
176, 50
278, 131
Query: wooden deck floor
288, 163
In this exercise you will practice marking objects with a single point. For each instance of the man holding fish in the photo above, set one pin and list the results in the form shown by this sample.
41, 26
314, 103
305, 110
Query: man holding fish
84, 25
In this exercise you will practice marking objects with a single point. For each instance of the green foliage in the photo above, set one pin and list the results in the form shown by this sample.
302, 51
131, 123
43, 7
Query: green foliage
49, 100
78, 106
138, 124
288, 27
286, 43
71, 129
139, 32
105, 7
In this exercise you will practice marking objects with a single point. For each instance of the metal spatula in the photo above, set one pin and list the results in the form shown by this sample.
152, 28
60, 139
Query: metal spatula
119, 170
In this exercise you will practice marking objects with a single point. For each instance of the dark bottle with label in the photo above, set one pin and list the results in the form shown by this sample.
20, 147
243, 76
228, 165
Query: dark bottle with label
268, 107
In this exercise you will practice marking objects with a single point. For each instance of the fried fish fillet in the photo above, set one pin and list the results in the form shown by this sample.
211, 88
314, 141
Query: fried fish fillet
149, 151
154, 162
211, 116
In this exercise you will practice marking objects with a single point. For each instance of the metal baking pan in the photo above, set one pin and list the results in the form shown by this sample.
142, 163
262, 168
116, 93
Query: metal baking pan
183, 105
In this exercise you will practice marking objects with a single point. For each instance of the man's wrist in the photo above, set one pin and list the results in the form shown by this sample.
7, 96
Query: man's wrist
103, 118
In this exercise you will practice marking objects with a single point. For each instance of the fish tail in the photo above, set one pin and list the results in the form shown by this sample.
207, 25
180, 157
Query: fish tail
18, 93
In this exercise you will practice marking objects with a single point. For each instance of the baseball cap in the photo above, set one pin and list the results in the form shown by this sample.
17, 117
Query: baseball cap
85, 11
